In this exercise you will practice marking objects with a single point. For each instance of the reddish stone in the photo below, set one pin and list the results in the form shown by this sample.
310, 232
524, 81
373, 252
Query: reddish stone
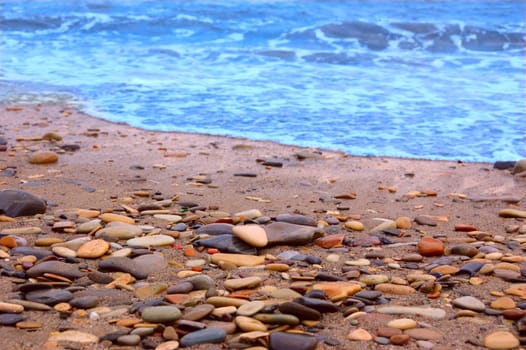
399, 339
429, 246
388, 332
513, 314
330, 241
465, 228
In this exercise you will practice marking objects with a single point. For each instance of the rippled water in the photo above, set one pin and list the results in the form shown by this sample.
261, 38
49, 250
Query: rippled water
427, 79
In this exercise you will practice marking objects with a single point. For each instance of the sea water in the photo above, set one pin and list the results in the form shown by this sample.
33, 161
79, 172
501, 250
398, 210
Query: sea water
438, 79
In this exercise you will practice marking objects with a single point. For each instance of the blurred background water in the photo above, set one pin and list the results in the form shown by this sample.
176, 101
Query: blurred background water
438, 79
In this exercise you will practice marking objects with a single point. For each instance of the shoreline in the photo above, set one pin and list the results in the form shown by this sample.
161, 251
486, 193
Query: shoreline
109, 167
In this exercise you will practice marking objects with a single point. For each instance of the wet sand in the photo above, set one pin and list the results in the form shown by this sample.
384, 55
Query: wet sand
113, 167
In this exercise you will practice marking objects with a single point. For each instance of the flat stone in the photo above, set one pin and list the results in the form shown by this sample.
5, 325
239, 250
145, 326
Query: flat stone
425, 220
423, 333
248, 324
150, 241
512, 213
225, 301
237, 259
43, 157
321, 305
124, 264
396, 289
400, 339
464, 249
129, 339
354, 225
11, 308
277, 319
470, 303
150, 263
49, 296
201, 282
338, 290
301, 311
111, 217
503, 303
429, 312
291, 341
168, 345
171, 218
74, 337
10, 319
93, 249
70, 271
290, 234
252, 234
297, 219
250, 308
204, 336
86, 302
374, 279
285, 294
227, 243
501, 340
27, 230
14, 203
198, 312
215, 229
117, 230
161, 314
242, 283
330, 241
402, 323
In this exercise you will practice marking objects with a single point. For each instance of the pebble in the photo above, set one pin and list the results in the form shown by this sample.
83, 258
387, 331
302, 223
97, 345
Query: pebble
503, 303
284, 233
150, 241
161, 314
237, 259
74, 337
251, 308
168, 345
198, 312
297, 219
111, 217
70, 271
204, 336
254, 235
301, 311
338, 290
14, 203
400, 339
429, 312
93, 249
423, 333
291, 341
227, 244
242, 283
43, 157
470, 303
248, 324
429, 246
354, 225
117, 230
129, 339
49, 296
11, 308
402, 323
512, 213
277, 319
359, 334
396, 289
124, 264
501, 340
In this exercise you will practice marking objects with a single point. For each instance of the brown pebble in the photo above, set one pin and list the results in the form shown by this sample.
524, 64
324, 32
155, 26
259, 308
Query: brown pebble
399, 339
45, 157
429, 246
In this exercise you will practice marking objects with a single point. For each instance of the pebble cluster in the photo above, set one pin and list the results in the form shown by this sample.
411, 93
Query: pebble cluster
226, 287
159, 271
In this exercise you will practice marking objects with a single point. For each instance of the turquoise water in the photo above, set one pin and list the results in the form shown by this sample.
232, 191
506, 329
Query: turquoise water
421, 79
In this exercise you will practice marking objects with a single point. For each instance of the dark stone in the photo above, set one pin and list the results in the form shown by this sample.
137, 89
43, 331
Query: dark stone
286, 233
49, 296
324, 276
471, 268
204, 336
215, 229
70, 147
100, 277
123, 264
227, 244
86, 302
291, 341
15, 203
297, 219
38, 253
246, 174
424, 220
318, 304
503, 164
181, 288
10, 319
60, 268
301, 311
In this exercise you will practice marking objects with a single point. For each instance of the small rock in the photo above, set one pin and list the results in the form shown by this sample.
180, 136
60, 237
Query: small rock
16, 203
93, 249
160, 314
470, 303
501, 340
429, 246
44, 157
204, 336
291, 341
359, 334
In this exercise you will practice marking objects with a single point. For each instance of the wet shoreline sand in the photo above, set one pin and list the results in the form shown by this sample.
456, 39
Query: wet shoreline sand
109, 167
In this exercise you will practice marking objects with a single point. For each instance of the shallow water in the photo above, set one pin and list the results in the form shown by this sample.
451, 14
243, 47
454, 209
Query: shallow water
424, 79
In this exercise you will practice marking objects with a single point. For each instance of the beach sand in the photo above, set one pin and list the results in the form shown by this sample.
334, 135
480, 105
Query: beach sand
112, 167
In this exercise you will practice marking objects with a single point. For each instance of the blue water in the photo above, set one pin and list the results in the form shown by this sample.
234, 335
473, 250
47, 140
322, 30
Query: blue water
441, 79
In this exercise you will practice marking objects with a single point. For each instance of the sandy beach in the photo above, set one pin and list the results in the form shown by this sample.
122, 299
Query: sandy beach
84, 167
